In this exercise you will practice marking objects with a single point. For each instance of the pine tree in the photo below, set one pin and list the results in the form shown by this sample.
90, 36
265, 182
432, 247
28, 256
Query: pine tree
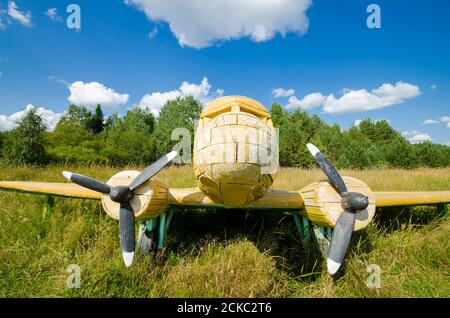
96, 122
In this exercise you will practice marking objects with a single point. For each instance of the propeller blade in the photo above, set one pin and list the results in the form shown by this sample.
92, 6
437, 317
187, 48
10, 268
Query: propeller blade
153, 169
127, 235
87, 182
339, 243
328, 169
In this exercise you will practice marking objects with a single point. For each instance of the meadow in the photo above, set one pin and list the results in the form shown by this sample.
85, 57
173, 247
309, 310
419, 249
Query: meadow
217, 253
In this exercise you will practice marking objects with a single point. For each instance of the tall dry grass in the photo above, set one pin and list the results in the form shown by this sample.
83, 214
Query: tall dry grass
219, 253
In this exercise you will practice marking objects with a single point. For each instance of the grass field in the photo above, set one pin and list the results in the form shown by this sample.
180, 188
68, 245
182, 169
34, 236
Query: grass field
220, 253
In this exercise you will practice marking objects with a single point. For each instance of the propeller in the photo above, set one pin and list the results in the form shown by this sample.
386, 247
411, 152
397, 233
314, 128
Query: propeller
351, 202
123, 196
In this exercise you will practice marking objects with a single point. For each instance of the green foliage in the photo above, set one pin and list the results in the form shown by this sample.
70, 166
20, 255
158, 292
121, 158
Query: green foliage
25, 144
73, 142
432, 155
2, 141
95, 122
371, 144
178, 113
80, 116
139, 138
400, 153
129, 140
76, 115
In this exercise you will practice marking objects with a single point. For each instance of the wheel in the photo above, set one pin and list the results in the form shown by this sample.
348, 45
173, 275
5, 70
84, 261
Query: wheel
147, 242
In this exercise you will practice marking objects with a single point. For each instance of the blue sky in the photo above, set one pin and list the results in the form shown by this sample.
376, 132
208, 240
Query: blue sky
139, 52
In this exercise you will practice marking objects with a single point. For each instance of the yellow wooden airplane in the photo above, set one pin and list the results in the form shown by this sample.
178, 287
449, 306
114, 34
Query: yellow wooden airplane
235, 162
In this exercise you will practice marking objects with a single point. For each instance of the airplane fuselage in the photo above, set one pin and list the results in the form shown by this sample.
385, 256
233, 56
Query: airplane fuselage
235, 151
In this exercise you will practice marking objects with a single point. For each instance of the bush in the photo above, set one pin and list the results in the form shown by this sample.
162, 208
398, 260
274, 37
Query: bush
25, 145
83, 137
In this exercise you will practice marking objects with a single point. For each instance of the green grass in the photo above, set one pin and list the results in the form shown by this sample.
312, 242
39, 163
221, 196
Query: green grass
219, 253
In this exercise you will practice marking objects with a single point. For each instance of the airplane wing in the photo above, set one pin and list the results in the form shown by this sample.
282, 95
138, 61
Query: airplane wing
293, 200
273, 199
194, 197
69, 190
387, 199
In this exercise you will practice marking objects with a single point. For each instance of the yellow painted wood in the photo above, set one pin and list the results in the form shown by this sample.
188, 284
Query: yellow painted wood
384, 199
57, 189
149, 200
233, 148
277, 199
323, 203
227, 103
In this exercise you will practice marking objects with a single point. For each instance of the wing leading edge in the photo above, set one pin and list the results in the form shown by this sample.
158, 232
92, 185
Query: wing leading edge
47, 188
194, 197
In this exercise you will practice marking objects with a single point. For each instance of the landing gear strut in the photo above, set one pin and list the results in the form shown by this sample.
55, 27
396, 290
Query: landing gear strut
152, 233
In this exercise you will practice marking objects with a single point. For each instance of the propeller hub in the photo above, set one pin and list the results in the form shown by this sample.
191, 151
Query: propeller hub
121, 194
354, 201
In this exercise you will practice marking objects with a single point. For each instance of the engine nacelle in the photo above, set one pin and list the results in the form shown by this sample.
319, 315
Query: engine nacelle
149, 200
323, 204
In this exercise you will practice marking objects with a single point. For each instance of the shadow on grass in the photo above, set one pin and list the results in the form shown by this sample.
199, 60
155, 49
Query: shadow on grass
270, 231
393, 219
275, 232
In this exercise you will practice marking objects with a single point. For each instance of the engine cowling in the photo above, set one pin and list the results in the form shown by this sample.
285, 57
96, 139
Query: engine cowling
149, 200
323, 204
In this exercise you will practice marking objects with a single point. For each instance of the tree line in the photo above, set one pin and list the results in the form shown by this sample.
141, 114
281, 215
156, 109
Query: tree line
138, 138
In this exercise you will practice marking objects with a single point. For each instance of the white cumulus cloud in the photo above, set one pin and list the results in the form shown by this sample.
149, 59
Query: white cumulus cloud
281, 92
430, 122
309, 101
201, 23
357, 100
93, 93
52, 13
23, 18
363, 100
202, 92
8, 122
416, 137
443, 119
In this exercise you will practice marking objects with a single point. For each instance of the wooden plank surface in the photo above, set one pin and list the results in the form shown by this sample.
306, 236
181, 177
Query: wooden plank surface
70, 190
385, 199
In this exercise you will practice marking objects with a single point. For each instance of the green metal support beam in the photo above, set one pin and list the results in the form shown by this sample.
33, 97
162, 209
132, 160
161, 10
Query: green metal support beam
306, 231
162, 230
303, 227
298, 223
